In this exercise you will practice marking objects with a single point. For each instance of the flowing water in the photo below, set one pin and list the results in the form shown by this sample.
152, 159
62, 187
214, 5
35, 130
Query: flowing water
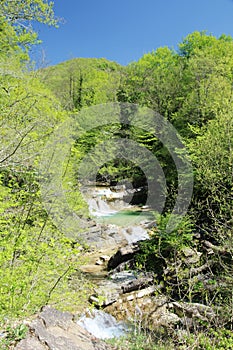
99, 208
103, 202
102, 325
127, 217
108, 208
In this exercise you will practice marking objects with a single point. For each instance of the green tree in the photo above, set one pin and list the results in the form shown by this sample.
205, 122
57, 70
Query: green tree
212, 156
83, 82
36, 259
17, 11
18, 17
153, 81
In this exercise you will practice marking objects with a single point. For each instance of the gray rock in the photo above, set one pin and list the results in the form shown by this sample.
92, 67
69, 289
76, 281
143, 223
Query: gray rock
102, 259
30, 343
122, 255
56, 330
191, 255
136, 284
52, 318
123, 276
99, 262
149, 224
151, 310
110, 291
103, 236
194, 310
106, 294
168, 318
105, 258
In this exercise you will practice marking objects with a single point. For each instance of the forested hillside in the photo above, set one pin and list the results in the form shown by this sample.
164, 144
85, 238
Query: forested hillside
83, 82
192, 89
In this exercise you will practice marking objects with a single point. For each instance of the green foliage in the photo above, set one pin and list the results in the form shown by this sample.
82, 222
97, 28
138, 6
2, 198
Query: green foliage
141, 341
33, 248
220, 339
114, 168
36, 260
28, 115
211, 152
192, 88
8, 38
17, 11
163, 245
12, 335
83, 82
188, 87
200, 41
195, 42
18, 16
153, 81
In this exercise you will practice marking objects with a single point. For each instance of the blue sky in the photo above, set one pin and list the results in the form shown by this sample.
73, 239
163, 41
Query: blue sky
124, 30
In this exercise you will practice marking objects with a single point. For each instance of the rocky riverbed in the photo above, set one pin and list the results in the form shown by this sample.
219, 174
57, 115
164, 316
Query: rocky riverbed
121, 290
53, 329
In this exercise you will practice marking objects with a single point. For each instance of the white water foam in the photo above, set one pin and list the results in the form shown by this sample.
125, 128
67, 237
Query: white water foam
102, 325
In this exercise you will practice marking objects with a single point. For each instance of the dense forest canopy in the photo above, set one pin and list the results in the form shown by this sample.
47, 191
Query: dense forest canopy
190, 87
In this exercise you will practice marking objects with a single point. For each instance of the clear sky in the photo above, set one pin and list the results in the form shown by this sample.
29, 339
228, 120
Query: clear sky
123, 30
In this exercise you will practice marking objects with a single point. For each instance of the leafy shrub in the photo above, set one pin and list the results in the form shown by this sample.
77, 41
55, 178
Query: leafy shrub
163, 244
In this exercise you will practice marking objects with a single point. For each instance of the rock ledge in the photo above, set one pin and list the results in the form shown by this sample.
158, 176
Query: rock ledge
57, 330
